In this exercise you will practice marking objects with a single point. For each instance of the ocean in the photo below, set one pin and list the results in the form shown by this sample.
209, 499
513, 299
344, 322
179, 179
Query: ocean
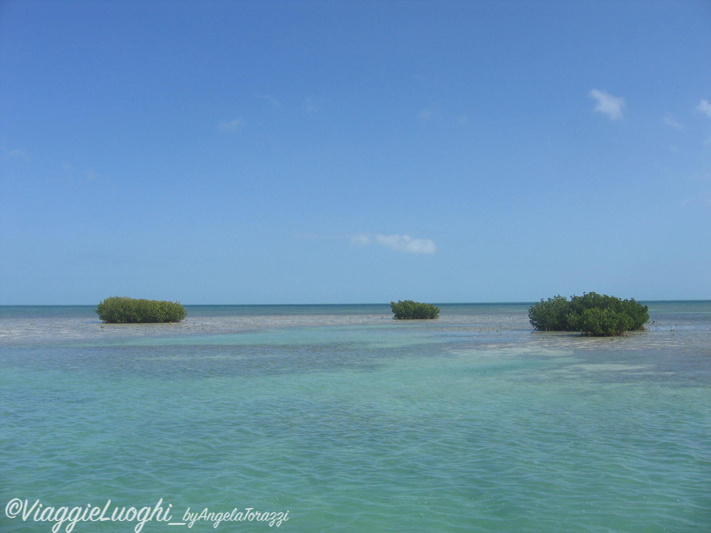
339, 418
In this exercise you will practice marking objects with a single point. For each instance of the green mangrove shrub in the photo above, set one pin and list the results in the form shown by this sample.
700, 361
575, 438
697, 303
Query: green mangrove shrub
591, 314
123, 310
408, 310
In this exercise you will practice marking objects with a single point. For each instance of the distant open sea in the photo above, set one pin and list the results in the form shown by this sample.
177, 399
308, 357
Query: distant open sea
338, 418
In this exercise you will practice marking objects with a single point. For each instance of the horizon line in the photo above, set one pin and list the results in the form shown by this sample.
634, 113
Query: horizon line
519, 302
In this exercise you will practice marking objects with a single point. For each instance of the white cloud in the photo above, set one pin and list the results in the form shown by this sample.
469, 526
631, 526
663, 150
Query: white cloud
669, 120
704, 107
607, 104
360, 240
399, 243
405, 243
233, 125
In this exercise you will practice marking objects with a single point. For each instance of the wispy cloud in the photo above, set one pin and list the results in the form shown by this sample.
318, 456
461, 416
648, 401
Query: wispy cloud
15, 153
232, 125
704, 107
269, 98
361, 240
609, 105
670, 121
399, 243
405, 243
698, 200
430, 113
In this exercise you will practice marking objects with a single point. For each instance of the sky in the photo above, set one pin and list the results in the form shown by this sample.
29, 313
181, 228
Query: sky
302, 152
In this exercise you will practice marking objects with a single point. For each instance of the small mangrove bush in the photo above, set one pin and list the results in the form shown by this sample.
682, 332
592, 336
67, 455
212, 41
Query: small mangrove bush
591, 314
408, 310
123, 310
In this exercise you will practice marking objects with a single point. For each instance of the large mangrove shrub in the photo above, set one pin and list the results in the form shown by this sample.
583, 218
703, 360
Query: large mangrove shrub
122, 310
413, 310
592, 314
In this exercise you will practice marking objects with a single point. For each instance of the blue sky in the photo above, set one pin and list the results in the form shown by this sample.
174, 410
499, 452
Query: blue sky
267, 152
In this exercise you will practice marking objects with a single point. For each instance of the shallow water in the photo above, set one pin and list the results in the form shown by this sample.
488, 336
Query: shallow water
354, 422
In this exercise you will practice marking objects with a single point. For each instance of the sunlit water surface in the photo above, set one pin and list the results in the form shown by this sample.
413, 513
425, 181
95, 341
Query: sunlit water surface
352, 421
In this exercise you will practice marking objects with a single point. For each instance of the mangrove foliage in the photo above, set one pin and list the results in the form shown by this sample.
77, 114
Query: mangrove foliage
409, 310
123, 310
591, 314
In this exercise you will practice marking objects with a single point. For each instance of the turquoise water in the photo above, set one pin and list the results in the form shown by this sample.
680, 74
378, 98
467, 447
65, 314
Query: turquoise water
351, 421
